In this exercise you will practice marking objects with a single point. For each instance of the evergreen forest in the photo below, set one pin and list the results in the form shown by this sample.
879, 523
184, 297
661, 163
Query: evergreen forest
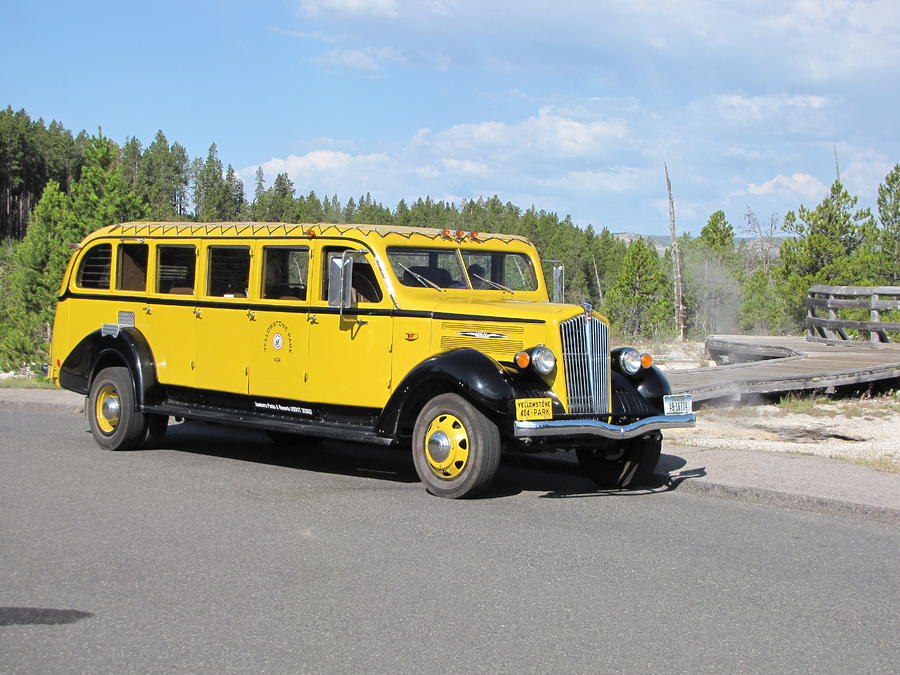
56, 187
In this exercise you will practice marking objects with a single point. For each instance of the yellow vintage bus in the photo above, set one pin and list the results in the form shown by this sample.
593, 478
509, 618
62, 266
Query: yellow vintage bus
441, 341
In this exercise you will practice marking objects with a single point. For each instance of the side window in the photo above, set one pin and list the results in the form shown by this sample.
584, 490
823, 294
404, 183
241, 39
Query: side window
364, 283
131, 268
175, 267
284, 272
95, 267
228, 271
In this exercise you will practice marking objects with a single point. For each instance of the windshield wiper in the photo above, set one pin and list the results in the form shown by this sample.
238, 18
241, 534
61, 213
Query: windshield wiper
492, 283
421, 279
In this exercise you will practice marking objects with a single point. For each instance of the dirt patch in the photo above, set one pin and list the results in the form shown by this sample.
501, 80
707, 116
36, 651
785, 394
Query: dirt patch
860, 431
677, 355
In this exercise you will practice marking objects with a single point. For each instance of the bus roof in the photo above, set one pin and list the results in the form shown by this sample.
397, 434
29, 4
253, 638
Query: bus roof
245, 229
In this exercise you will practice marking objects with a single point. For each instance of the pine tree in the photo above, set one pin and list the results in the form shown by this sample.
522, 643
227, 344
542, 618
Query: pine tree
233, 196
130, 166
162, 179
639, 301
181, 176
98, 198
889, 216
833, 244
761, 309
213, 198
713, 272
258, 206
718, 234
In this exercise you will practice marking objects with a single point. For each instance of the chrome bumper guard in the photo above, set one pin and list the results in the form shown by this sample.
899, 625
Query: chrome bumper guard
596, 428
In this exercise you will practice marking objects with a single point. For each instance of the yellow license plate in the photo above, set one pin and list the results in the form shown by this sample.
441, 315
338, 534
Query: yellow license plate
534, 408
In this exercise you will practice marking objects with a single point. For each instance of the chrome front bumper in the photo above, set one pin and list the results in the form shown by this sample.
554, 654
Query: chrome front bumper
563, 428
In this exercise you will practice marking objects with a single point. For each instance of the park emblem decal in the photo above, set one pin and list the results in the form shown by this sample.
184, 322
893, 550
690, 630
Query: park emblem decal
278, 336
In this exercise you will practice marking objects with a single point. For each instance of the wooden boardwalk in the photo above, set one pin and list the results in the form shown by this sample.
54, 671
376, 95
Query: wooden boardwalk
762, 365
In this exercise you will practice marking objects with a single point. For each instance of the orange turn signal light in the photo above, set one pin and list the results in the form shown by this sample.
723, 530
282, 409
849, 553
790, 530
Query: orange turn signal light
523, 359
646, 360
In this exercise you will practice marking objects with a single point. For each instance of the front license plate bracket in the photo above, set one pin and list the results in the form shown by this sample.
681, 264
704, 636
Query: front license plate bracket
534, 408
678, 404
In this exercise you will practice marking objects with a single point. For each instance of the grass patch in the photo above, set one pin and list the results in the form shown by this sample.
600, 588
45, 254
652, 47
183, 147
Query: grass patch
805, 405
26, 383
885, 463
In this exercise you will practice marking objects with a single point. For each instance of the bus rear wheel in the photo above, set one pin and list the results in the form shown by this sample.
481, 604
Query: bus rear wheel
456, 448
115, 423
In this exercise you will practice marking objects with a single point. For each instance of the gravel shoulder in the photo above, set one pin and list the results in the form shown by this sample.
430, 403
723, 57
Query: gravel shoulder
859, 431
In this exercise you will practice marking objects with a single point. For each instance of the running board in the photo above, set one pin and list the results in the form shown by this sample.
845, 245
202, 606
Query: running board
269, 422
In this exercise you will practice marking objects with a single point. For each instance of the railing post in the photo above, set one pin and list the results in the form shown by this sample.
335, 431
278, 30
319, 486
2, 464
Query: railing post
832, 316
876, 336
811, 329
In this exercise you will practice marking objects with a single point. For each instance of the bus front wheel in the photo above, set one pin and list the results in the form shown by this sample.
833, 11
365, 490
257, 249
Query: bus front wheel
456, 448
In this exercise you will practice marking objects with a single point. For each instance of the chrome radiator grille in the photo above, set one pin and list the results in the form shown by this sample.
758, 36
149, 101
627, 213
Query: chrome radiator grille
586, 356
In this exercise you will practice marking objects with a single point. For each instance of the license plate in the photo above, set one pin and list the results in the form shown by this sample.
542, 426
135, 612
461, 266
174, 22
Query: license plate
534, 408
677, 404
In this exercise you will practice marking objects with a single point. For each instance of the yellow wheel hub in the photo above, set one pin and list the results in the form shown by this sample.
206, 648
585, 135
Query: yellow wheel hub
447, 446
107, 409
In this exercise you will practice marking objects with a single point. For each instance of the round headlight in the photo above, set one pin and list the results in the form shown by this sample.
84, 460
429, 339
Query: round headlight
630, 360
543, 360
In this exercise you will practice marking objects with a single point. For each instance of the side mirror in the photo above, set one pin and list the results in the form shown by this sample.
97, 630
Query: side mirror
558, 274
340, 278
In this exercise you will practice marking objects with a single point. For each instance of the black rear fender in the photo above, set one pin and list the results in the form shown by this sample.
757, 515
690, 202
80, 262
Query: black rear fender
128, 347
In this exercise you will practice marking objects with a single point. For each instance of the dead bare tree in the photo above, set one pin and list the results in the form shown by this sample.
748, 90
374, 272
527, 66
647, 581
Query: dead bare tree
676, 262
762, 249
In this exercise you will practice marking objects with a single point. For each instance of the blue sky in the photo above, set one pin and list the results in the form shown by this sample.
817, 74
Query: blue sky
572, 107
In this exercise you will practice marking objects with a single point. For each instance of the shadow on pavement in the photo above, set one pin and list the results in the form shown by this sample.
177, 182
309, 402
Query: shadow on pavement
554, 478
28, 616
307, 454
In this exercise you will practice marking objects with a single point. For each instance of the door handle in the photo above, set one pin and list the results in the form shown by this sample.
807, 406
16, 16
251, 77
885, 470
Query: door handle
312, 318
197, 312
146, 309
251, 315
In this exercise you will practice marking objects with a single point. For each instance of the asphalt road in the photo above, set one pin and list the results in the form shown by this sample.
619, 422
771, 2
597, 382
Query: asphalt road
225, 553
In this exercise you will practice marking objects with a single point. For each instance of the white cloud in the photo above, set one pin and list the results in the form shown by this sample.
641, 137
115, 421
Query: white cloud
821, 39
748, 109
464, 166
835, 38
862, 170
552, 133
329, 170
616, 179
685, 211
388, 8
599, 160
315, 35
368, 60
799, 186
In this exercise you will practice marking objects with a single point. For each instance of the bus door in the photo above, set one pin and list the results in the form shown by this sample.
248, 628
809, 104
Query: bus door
350, 354
223, 318
167, 319
280, 328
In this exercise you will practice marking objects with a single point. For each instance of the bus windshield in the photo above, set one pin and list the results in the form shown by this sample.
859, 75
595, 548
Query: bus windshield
441, 268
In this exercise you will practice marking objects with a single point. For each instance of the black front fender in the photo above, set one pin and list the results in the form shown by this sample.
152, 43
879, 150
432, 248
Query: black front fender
470, 373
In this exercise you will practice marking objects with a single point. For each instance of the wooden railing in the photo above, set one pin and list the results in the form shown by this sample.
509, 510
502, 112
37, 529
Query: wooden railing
833, 330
